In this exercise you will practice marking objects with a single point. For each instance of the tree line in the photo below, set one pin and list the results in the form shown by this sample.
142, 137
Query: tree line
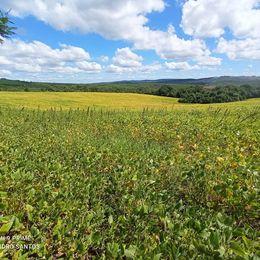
208, 94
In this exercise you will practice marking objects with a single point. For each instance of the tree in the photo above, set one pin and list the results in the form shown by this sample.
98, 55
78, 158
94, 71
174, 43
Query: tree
6, 30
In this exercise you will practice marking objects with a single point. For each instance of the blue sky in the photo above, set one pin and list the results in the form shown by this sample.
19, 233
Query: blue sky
92, 41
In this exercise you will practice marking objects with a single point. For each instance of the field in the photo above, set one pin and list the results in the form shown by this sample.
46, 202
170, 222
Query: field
149, 184
116, 101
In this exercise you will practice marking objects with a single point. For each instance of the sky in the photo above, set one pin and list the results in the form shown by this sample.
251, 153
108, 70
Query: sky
82, 41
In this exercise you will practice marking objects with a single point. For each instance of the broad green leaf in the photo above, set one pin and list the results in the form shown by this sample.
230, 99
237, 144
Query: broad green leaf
6, 227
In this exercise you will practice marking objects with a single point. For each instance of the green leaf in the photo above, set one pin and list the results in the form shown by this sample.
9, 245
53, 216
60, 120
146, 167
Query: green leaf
214, 239
131, 252
3, 194
6, 227
2, 206
247, 242
113, 249
238, 250
157, 257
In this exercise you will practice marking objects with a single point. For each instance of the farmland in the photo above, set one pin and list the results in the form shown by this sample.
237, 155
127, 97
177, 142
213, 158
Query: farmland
174, 181
114, 101
64, 100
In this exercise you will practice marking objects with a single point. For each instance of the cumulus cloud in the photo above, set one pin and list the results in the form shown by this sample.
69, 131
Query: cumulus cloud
115, 20
210, 18
126, 61
88, 66
240, 49
180, 66
17, 55
126, 58
116, 69
111, 19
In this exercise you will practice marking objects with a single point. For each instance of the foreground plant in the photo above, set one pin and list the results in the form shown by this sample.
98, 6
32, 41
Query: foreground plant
138, 185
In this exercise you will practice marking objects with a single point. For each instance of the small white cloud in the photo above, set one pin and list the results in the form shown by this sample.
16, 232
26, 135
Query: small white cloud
151, 68
89, 66
180, 66
208, 61
116, 69
126, 61
126, 58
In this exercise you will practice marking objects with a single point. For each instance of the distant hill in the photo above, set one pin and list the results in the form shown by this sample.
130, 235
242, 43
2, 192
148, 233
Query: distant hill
217, 81
132, 86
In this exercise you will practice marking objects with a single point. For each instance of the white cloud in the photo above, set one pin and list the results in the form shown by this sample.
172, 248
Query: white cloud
4, 73
240, 49
4, 61
126, 58
168, 46
208, 61
32, 57
89, 66
72, 53
180, 66
124, 70
126, 61
151, 68
114, 20
210, 18
65, 70
116, 69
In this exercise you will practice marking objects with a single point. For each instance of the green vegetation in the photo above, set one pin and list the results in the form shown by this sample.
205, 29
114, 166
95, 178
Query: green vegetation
115, 87
131, 184
207, 95
141, 87
198, 91
5, 29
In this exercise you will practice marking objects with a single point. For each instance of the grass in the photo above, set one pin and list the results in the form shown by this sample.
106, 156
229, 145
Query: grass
103, 184
74, 100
